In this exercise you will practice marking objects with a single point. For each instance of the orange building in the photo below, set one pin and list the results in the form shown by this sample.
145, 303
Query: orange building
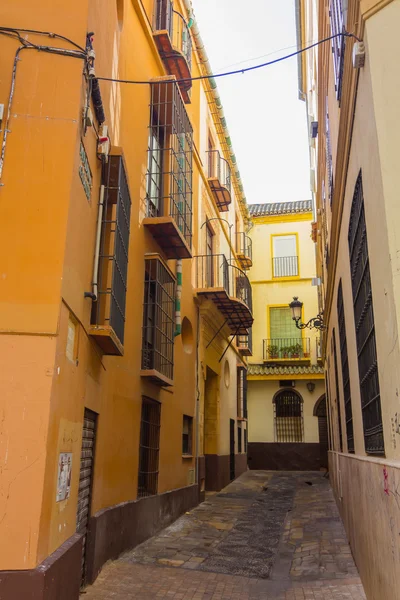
125, 306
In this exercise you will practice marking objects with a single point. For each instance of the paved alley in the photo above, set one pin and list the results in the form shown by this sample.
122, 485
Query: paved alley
268, 535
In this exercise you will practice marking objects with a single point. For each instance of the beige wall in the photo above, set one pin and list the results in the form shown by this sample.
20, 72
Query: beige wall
261, 409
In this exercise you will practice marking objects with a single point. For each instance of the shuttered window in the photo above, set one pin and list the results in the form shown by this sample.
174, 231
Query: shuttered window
338, 43
365, 325
337, 390
345, 370
282, 324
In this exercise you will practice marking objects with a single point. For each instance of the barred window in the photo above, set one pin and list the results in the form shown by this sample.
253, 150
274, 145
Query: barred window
242, 392
338, 43
149, 449
158, 318
288, 409
187, 435
339, 412
170, 155
345, 370
365, 325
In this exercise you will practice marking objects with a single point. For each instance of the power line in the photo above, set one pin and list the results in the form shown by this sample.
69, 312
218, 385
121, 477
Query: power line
238, 71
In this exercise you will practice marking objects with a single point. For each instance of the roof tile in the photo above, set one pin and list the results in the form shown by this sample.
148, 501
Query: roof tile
280, 208
267, 370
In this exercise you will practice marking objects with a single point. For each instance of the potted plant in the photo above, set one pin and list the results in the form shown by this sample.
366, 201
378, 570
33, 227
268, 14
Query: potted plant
296, 350
273, 351
286, 351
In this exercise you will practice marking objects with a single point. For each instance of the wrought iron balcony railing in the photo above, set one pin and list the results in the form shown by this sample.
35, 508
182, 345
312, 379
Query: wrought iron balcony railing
228, 287
245, 343
244, 250
172, 36
286, 266
219, 179
286, 349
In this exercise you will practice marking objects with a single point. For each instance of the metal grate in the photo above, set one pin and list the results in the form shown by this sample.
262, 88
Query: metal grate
170, 157
338, 43
337, 390
288, 417
166, 18
113, 259
365, 325
246, 341
149, 449
219, 168
242, 392
244, 245
158, 318
286, 266
345, 370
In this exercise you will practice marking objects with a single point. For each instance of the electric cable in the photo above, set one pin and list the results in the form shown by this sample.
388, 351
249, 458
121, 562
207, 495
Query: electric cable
236, 72
47, 33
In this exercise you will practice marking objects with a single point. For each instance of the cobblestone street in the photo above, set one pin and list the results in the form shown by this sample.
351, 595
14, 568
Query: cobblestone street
265, 536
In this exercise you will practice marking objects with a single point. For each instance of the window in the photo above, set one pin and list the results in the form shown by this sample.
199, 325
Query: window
288, 409
211, 157
239, 432
187, 434
163, 15
109, 309
158, 318
149, 449
285, 341
365, 325
338, 43
242, 392
209, 255
285, 259
170, 155
328, 152
339, 412
345, 370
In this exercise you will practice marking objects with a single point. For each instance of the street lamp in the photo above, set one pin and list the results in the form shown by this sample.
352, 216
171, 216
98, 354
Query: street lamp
317, 322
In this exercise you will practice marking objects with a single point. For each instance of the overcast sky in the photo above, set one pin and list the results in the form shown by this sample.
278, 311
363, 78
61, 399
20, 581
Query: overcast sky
266, 120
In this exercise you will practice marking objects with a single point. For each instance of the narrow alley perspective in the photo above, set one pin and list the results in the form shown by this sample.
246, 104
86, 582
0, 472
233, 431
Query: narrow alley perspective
268, 535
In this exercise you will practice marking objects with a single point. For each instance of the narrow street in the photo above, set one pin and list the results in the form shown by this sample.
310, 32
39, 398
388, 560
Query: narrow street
265, 536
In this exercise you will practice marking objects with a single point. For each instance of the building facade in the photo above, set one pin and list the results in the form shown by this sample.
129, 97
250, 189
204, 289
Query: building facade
351, 90
286, 401
125, 303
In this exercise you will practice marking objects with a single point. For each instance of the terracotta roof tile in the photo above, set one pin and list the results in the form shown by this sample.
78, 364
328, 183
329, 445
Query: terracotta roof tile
267, 370
280, 208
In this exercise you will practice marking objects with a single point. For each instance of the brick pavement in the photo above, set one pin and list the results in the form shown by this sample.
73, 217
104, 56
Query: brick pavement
283, 536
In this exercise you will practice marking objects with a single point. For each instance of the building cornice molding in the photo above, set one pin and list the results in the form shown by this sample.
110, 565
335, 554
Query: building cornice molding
291, 218
371, 7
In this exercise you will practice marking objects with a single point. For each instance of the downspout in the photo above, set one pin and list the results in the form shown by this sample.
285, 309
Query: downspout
206, 67
178, 316
97, 247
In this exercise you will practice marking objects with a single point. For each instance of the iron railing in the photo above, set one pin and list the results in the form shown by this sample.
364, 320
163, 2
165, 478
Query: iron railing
244, 245
286, 348
149, 448
214, 271
286, 266
288, 417
219, 168
109, 309
166, 18
170, 158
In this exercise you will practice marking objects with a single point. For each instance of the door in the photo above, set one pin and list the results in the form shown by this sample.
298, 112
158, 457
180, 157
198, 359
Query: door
320, 412
232, 449
85, 481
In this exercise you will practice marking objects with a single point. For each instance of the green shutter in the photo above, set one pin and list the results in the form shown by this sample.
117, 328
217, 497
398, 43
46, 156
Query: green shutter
282, 324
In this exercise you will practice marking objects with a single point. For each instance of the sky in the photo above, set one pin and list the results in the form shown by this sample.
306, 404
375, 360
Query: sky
266, 119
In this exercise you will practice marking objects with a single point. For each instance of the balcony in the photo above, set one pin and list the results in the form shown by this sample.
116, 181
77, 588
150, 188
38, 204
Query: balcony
172, 37
228, 287
219, 180
286, 266
244, 250
169, 173
107, 323
245, 344
286, 349
318, 342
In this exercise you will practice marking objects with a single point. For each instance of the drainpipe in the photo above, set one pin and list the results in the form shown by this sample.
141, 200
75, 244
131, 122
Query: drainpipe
205, 65
97, 247
178, 317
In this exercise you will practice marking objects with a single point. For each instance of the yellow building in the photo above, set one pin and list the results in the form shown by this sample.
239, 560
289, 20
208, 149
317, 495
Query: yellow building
286, 402
351, 88
122, 287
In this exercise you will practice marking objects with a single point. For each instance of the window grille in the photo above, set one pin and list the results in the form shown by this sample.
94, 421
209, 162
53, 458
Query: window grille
239, 433
170, 156
338, 43
328, 151
149, 450
337, 390
114, 245
345, 370
187, 435
365, 325
242, 392
288, 417
158, 318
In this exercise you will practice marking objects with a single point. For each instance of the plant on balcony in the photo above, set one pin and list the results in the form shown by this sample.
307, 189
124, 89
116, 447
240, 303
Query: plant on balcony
296, 350
286, 351
273, 351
